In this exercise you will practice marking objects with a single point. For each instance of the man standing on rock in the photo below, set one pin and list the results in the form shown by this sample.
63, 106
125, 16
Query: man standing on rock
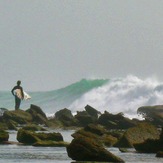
17, 91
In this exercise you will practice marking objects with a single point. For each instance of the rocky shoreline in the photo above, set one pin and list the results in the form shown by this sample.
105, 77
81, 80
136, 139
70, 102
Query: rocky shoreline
94, 131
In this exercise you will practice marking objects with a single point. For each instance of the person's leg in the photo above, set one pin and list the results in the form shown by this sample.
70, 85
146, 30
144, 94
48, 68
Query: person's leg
17, 103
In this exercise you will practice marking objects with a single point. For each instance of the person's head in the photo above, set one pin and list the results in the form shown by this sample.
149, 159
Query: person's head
18, 82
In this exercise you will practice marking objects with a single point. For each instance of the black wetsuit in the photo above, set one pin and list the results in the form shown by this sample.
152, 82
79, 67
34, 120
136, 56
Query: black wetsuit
17, 100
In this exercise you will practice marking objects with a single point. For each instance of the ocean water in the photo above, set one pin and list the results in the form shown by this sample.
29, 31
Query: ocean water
114, 95
25, 154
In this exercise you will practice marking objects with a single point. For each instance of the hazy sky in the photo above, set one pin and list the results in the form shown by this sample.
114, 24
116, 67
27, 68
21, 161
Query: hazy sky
49, 44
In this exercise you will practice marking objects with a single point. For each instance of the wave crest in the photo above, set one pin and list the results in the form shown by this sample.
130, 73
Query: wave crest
122, 95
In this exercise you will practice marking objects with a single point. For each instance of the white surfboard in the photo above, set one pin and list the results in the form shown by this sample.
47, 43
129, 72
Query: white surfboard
18, 93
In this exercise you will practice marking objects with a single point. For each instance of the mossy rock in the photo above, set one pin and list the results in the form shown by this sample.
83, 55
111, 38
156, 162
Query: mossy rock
31, 137
4, 136
138, 134
12, 125
96, 129
3, 126
149, 146
33, 127
86, 149
84, 118
98, 133
109, 140
38, 116
19, 116
92, 111
50, 143
65, 116
49, 136
115, 121
26, 137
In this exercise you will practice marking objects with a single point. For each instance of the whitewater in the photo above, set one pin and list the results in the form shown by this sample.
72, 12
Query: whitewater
113, 95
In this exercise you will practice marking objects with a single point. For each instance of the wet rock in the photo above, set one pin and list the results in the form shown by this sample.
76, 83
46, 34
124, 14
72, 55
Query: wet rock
92, 111
51, 144
37, 114
115, 121
18, 116
33, 127
65, 116
3, 126
31, 137
49, 136
27, 137
138, 134
86, 149
153, 114
98, 133
84, 118
150, 145
4, 136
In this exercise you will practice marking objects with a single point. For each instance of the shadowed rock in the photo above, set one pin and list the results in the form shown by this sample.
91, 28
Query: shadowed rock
86, 149
153, 114
138, 134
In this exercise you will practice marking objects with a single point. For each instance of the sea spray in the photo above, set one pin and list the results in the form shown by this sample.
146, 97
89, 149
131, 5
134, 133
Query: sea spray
114, 95
122, 95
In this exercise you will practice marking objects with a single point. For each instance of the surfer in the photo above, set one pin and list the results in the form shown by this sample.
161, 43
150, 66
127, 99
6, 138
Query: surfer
17, 91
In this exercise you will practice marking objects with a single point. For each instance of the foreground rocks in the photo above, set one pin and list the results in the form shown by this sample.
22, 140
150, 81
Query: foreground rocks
86, 149
153, 114
40, 139
94, 132
151, 145
138, 134
4, 136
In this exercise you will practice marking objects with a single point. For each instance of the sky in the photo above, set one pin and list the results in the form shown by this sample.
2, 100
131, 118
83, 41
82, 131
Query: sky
49, 44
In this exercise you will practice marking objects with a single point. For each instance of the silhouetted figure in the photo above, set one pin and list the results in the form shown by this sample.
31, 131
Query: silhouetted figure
17, 91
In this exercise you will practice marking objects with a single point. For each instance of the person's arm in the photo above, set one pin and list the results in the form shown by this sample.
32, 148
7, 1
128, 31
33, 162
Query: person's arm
12, 91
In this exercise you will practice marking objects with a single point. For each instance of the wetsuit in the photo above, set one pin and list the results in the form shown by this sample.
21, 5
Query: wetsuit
17, 100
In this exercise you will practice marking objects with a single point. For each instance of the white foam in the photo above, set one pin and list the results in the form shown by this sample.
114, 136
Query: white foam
122, 95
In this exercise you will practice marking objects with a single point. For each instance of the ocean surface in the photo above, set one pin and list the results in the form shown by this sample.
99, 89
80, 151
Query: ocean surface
26, 154
114, 95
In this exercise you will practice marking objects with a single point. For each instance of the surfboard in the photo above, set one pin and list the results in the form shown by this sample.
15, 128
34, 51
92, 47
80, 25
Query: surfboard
18, 93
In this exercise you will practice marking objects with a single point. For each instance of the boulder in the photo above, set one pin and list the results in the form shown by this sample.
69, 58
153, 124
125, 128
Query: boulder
31, 137
12, 125
49, 136
33, 127
65, 116
18, 116
86, 149
98, 133
84, 118
38, 116
96, 129
92, 111
138, 134
27, 137
4, 136
50, 143
115, 121
150, 145
153, 114
3, 126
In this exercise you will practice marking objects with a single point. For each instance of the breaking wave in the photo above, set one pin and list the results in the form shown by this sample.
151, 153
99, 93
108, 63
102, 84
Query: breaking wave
114, 95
